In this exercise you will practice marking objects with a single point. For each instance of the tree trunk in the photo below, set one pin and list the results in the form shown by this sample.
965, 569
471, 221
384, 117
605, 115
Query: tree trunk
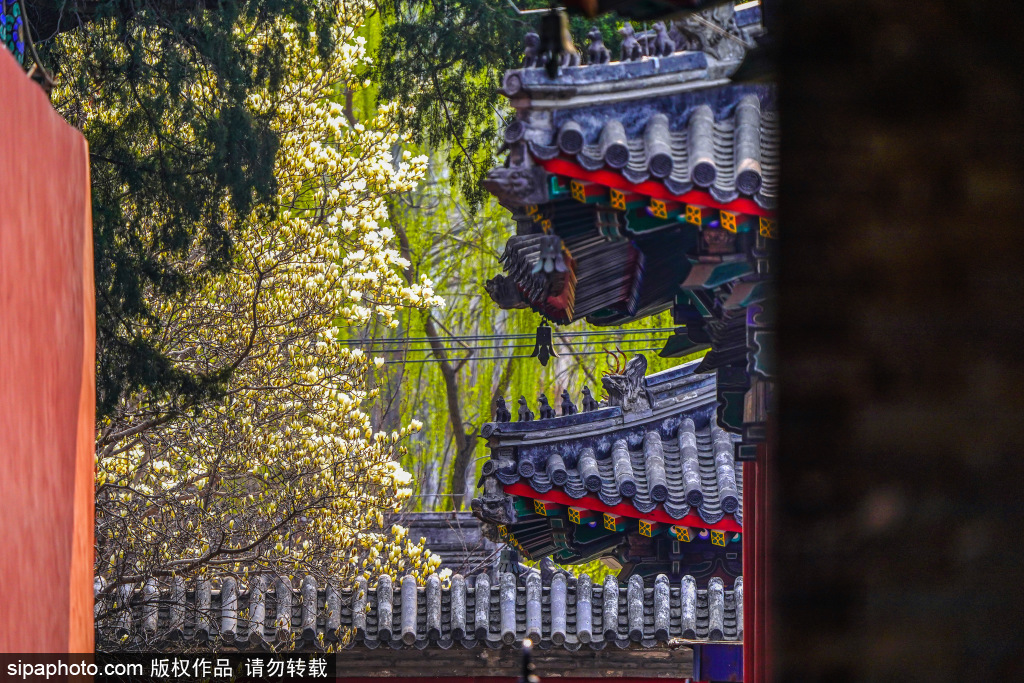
464, 442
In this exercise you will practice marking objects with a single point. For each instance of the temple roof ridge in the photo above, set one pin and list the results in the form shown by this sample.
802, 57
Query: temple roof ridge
653, 445
695, 52
666, 392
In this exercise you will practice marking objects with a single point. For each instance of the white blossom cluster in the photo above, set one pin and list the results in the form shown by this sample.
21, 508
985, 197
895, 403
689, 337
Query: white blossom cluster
284, 473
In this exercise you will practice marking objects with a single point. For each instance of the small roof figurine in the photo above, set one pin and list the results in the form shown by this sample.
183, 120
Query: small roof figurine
501, 411
546, 411
525, 414
568, 407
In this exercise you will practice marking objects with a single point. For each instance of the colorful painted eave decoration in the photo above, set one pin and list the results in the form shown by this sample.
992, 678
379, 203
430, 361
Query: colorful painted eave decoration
603, 182
645, 214
556, 501
546, 508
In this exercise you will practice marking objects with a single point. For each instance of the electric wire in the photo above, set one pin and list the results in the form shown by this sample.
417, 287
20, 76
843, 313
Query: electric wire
475, 359
491, 337
428, 349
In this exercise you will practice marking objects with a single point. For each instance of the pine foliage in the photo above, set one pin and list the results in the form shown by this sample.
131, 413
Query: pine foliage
447, 59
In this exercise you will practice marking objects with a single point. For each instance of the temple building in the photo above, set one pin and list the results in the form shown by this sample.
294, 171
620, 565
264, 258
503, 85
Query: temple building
646, 184
648, 482
640, 185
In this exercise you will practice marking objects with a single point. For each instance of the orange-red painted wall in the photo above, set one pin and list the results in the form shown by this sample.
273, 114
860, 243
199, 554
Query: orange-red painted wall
47, 394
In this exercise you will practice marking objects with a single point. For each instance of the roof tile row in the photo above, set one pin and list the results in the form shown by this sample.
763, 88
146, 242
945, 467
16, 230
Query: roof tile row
560, 611
734, 156
676, 465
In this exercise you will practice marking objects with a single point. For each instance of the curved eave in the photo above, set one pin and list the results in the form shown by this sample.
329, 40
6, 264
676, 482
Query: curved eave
658, 514
760, 205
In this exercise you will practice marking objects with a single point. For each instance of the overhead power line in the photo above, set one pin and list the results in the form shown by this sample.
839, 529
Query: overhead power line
429, 349
506, 357
493, 337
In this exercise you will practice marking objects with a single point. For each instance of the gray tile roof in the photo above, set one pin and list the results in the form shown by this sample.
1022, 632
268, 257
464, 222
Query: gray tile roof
583, 84
730, 156
677, 464
565, 613
671, 454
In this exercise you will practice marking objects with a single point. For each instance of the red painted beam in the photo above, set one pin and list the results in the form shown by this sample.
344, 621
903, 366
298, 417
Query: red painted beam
650, 188
757, 627
750, 566
624, 509
766, 493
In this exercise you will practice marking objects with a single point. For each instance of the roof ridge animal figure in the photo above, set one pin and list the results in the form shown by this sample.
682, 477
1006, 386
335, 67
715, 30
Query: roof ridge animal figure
678, 37
629, 389
599, 54
501, 411
525, 414
726, 41
531, 54
630, 49
589, 404
660, 45
568, 407
546, 411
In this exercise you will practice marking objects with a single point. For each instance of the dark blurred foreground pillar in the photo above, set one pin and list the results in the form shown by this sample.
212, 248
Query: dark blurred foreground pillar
899, 506
47, 382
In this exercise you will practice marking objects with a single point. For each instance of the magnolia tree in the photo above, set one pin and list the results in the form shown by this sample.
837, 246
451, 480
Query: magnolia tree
282, 473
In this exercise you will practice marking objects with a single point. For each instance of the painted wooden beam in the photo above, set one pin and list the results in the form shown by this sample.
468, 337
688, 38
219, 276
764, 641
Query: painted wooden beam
680, 533
623, 201
614, 522
581, 515
650, 528
650, 188
664, 208
546, 508
588, 193
640, 221
523, 506
559, 186
624, 509
699, 215
735, 222
767, 227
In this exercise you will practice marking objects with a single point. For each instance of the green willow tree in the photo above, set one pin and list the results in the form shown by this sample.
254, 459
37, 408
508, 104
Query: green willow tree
451, 387
447, 59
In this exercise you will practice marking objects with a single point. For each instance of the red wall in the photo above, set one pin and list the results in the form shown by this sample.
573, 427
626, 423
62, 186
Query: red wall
47, 394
